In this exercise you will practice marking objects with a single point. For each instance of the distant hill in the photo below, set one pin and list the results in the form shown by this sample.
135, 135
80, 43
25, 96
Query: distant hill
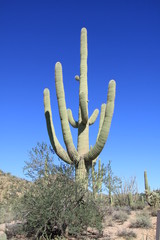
11, 186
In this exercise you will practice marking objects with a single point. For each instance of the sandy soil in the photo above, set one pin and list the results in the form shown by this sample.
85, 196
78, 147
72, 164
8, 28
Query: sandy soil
116, 227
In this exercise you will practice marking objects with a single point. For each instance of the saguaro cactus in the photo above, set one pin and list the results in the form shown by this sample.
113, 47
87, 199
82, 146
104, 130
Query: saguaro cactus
97, 178
81, 157
146, 185
152, 197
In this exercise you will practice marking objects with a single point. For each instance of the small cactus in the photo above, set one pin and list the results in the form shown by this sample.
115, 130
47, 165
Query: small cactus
146, 185
130, 199
97, 179
152, 197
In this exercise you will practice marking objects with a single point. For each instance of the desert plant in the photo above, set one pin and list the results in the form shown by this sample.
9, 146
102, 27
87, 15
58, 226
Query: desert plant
152, 197
112, 183
127, 234
147, 188
120, 216
6, 213
153, 211
130, 199
97, 178
121, 195
82, 157
40, 163
142, 221
50, 206
138, 205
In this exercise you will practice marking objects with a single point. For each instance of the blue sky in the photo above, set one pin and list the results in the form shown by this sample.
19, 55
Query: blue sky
123, 44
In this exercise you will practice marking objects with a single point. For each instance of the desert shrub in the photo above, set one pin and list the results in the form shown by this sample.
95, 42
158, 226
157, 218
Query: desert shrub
51, 206
153, 211
111, 182
125, 209
6, 213
138, 205
120, 216
142, 221
127, 234
110, 210
126, 194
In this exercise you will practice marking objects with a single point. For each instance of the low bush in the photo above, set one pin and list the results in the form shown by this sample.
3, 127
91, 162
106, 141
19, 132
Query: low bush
6, 213
138, 206
142, 221
120, 216
54, 205
127, 234
153, 211
52, 208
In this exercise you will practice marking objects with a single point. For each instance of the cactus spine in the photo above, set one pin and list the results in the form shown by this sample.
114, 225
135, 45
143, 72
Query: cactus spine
81, 157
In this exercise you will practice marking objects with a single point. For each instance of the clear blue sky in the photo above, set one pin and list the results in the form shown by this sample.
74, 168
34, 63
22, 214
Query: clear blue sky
123, 44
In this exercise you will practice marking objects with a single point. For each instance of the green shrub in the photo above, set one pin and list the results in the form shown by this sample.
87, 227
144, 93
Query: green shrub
51, 207
6, 213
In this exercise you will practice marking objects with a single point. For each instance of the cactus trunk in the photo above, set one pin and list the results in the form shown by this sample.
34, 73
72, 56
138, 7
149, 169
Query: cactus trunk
109, 189
146, 185
97, 179
81, 173
82, 157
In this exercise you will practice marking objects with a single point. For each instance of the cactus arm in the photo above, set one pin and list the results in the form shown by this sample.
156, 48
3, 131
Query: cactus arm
146, 181
51, 132
103, 107
93, 117
83, 106
147, 192
72, 152
71, 119
99, 170
97, 178
102, 115
93, 180
96, 150
83, 89
100, 176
